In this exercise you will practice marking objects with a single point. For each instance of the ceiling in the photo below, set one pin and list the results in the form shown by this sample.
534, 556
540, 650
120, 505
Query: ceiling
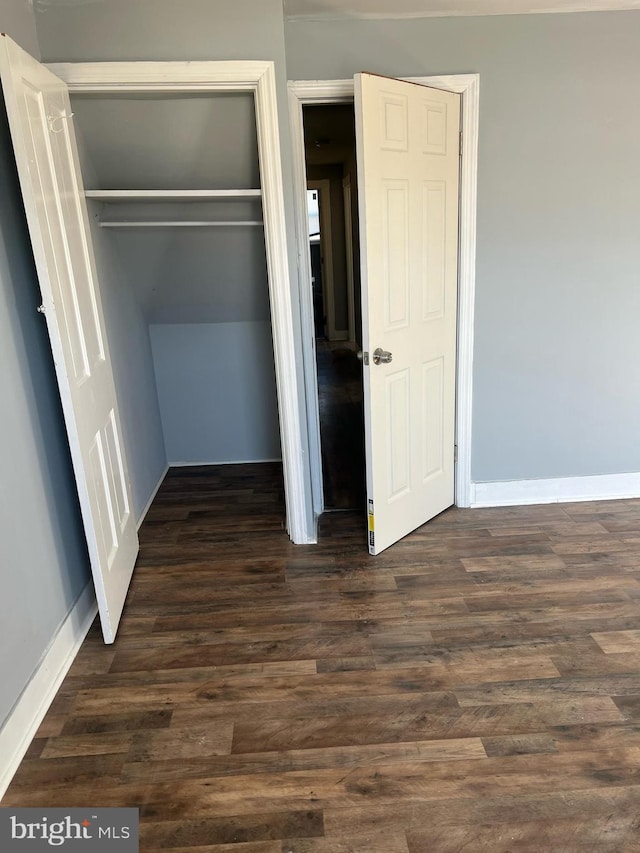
442, 8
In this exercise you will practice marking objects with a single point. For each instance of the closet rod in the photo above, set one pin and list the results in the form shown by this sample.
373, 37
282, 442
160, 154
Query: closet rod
185, 223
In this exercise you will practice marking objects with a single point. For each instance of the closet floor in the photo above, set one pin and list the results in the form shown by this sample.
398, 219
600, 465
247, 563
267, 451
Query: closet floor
475, 687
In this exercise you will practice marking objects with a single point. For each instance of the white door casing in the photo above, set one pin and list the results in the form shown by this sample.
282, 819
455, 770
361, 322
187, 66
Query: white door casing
407, 141
39, 113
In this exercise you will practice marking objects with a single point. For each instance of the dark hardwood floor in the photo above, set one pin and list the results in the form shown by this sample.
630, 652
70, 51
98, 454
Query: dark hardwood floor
474, 688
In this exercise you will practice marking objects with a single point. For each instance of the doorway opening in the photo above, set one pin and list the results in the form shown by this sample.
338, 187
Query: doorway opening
330, 165
305, 93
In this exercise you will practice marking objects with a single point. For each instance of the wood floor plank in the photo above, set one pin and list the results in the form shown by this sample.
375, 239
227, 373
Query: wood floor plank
230, 830
366, 843
240, 847
194, 741
519, 744
87, 744
216, 688
218, 654
504, 693
475, 687
406, 782
594, 737
346, 758
483, 721
607, 833
612, 642
563, 803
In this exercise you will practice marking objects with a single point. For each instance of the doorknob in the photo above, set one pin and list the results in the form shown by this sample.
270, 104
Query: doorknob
381, 356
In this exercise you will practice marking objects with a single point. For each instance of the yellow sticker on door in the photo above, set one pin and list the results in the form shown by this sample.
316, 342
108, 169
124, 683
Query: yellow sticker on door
371, 524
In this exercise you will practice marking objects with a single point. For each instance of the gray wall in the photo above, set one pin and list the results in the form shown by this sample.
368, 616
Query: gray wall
557, 358
195, 275
182, 142
204, 290
198, 29
217, 392
43, 559
181, 275
557, 353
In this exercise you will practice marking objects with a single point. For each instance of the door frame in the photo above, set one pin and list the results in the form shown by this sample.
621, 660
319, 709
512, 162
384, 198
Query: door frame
305, 92
257, 77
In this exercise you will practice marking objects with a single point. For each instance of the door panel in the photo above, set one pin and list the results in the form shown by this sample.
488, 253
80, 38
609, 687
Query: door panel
39, 114
408, 164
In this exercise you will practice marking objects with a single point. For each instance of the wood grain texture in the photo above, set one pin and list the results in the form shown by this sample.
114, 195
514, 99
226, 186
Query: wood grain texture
474, 688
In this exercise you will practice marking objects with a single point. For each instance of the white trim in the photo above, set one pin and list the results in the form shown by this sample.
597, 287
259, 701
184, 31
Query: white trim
231, 76
321, 92
449, 10
259, 78
225, 462
598, 487
309, 366
147, 506
24, 720
333, 91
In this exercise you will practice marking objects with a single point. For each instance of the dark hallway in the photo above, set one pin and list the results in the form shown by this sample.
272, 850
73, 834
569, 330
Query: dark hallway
341, 426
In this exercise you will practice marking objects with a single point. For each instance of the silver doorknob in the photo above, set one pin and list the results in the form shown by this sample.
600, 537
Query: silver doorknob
381, 356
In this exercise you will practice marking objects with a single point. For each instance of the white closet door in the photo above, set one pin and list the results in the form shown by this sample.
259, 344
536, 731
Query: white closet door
408, 164
39, 113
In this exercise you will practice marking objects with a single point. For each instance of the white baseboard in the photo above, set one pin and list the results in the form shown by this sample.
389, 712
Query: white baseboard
221, 462
29, 711
599, 487
147, 507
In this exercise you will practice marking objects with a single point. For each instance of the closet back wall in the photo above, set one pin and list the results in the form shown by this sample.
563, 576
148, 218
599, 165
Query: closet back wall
202, 291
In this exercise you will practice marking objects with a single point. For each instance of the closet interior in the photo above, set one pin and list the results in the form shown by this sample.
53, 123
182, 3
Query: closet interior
172, 185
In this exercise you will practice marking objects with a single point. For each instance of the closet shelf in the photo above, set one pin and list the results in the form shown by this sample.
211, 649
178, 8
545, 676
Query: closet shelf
171, 195
184, 223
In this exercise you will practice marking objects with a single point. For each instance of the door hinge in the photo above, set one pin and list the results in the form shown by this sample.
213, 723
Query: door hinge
455, 453
460, 144
41, 309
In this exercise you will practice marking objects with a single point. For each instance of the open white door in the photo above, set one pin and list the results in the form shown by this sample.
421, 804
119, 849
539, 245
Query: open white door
39, 114
407, 140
